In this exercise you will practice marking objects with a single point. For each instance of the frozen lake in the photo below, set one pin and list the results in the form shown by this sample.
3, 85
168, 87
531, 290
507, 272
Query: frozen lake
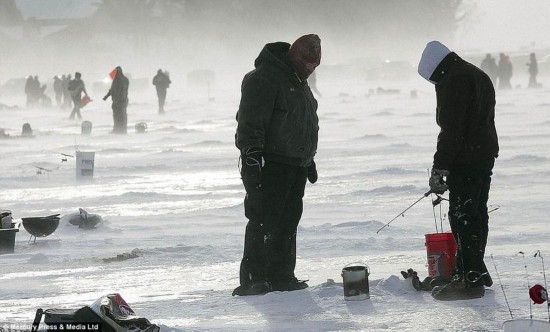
173, 197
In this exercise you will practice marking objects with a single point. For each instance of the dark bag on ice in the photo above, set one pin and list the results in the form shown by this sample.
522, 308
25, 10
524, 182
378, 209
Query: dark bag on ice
110, 313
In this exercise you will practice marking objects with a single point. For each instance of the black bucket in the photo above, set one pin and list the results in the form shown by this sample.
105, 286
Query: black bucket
356, 282
7, 240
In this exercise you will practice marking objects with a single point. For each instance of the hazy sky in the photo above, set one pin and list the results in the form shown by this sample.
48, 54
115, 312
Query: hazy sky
492, 26
506, 25
495, 24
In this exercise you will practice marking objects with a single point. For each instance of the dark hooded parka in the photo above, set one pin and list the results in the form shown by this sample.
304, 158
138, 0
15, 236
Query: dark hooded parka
467, 146
277, 134
119, 95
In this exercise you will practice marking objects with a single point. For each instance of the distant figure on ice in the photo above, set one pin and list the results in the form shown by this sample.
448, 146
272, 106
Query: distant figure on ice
76, 87
35, 89
490, 67
66, 93
533, 70
505, 69
312, 81
29, 86
162, 82
58, 89
277, 135
119, 95
36, 93
467, 146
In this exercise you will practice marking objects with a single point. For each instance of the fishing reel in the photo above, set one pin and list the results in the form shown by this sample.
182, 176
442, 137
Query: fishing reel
438, 200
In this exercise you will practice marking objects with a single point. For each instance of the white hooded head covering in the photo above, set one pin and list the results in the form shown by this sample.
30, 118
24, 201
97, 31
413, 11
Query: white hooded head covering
432, 56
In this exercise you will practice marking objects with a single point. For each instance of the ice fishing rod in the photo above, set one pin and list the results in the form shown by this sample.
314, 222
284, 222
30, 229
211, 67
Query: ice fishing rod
403, 212
502, 287
494, 209
545, 285
436, 202
528, 286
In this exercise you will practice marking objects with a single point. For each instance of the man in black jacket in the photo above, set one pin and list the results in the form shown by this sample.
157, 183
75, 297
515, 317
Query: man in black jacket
119, 95
467, 146
76, 87
161, 81
277, 136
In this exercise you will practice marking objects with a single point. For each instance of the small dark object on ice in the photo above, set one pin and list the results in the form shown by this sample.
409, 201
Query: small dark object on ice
41, 226
122, 257
424, 285
85, 220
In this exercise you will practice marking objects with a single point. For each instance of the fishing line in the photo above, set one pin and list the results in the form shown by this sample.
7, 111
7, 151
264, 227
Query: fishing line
528, 286
502, 287
402, 213
545, 285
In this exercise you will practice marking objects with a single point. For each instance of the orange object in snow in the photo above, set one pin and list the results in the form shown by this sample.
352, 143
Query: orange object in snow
84, 101
112, 74
441, 251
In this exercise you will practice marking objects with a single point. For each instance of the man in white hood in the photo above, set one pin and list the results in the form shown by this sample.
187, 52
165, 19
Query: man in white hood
467, 147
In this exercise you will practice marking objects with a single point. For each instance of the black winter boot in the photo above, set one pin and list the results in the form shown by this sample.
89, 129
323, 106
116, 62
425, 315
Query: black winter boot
256, 288
458, 289
289, 285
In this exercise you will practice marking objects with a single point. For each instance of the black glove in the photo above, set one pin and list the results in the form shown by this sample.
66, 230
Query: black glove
437, 181
252, 163
312, 172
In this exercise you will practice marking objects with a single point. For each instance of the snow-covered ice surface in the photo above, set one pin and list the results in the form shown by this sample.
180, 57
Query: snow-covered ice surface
173, 198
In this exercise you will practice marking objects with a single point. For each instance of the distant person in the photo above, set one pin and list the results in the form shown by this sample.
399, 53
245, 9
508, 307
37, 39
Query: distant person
312, 81
505, 69
533, 70
38, 93
467, 146
490, 67
162, 82
277, 135
66, 94
58, 89
35, 90
76, 88
29, 91
119, 95
42, 98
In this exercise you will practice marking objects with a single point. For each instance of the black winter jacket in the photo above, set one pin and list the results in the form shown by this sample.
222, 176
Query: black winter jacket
468, 141
277, 112
119, 90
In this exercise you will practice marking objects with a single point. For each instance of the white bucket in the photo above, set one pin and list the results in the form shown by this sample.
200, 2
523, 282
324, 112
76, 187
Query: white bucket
356, 282
86, 128
84, 164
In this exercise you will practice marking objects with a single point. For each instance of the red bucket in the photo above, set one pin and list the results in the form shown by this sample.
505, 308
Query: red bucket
84, 101
441, 251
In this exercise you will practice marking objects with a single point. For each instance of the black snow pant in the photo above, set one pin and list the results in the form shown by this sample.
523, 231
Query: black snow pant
161, 94
468, 196
120, 117
274, 211
77, 104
